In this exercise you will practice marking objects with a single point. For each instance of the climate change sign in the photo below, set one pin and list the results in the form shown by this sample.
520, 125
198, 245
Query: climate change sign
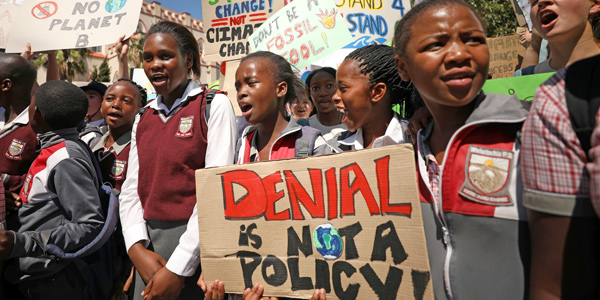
349, 223
67, 24
302, 32
229, 23
372, 21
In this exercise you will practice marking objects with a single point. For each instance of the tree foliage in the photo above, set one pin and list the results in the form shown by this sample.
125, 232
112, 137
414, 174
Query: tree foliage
499, 16
101, 74
70, 62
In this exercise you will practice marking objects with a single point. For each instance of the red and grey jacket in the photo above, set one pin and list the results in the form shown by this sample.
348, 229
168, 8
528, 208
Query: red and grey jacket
477, 233
294, 141
61, 207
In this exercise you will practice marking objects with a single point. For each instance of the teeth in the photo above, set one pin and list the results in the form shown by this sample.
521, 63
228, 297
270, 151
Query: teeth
546, 13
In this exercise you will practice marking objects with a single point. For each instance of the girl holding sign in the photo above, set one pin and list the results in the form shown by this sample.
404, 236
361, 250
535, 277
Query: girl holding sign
171, 139
468, 156
264, 82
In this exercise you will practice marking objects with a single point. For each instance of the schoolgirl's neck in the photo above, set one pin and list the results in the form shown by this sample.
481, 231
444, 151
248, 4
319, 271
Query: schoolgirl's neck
169, 99
269, 130
447, 120
576, 47
114, 134
330, 118
376, 128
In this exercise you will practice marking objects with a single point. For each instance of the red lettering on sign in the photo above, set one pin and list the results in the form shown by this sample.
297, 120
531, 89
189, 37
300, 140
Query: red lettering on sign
298, 194
349, 189
251, 205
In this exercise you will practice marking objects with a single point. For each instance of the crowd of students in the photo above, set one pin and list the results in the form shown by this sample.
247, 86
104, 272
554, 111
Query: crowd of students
507, 191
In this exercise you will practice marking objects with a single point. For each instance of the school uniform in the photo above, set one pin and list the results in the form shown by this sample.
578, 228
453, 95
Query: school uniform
474, 220
113, 161
18, 144
158, 198
327, 131
394, 134
285, 146
61, 206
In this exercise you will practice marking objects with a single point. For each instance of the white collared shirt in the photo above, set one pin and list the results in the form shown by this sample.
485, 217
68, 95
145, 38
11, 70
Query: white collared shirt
220, 151
20, 120
394, 134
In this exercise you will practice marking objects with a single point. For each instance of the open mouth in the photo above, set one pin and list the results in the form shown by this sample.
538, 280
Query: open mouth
159, 79
245, 108
547, 17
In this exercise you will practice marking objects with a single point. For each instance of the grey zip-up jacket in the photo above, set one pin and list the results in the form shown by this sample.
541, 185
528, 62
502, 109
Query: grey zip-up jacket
474, 219
61, 206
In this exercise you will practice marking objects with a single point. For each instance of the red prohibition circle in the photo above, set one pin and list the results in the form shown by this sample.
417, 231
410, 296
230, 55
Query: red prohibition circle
41, 11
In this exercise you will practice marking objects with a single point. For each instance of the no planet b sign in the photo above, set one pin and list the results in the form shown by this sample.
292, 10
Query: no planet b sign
349, 223
68, 24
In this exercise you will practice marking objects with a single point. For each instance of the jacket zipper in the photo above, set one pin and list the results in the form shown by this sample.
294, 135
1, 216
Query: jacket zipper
438, 205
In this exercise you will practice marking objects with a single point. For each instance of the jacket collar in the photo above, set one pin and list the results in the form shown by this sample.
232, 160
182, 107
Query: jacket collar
394, 134
119, 144
54, 137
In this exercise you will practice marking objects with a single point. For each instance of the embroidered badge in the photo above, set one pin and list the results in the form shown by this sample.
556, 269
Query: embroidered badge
487, 174
117, 170
185, 127
15, 149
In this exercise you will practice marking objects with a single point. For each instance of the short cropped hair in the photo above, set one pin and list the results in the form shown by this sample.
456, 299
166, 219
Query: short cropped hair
62, 104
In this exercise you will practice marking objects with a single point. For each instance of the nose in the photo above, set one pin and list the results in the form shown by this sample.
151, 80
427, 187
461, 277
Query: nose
337, 99
458, 53
116, 104
241, 93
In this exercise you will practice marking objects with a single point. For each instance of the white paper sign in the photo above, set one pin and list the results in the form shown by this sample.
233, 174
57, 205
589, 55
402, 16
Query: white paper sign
8, 11
69, 24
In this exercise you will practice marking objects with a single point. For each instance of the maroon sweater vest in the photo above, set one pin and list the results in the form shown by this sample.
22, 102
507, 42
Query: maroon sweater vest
114, 167
17, 154
169, 151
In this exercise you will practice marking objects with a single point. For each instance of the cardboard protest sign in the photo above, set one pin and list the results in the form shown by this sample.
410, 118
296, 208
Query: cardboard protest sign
302, 32
349, 223
523, 86
506, 55
8, 11
69, 24
229, 23
371, 21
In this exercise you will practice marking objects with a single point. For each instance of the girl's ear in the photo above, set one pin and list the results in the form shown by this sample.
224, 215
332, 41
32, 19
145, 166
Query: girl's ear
378, 91
189, 60
282, 89
401, 66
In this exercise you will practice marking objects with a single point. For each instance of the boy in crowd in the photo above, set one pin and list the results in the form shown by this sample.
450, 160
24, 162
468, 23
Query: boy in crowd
61, 205
95, 125
17, 140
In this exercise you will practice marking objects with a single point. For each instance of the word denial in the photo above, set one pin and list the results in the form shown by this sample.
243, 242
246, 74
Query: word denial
342, 186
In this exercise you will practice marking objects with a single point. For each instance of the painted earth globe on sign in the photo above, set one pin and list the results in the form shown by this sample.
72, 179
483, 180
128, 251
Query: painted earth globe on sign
114, 5
328, 241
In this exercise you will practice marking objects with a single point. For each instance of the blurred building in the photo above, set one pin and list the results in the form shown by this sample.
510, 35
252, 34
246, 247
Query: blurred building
150, 13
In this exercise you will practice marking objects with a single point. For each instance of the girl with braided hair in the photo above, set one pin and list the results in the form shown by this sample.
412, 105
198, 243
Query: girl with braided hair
368, 88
